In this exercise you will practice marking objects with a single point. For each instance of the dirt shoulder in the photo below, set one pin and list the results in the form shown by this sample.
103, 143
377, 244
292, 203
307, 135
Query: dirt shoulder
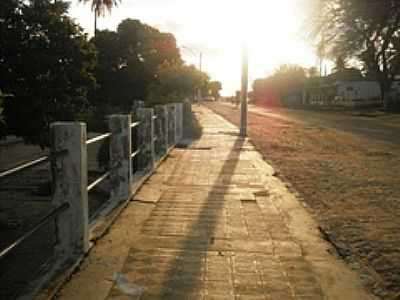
351, 184
382, 127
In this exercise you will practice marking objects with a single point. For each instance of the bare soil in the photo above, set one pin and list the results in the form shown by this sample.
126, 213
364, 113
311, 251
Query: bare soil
25, 198
349, 181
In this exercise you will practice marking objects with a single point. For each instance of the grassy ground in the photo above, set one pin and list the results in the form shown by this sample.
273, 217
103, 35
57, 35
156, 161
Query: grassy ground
350, 183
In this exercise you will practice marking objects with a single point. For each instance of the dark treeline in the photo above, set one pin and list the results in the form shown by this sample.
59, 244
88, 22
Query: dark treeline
286, 79
50, 70
288, 83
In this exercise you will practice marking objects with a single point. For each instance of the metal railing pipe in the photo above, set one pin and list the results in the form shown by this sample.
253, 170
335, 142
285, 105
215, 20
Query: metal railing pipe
135, 124
98, 138
97, 181
134, 154
24, 166
35, 228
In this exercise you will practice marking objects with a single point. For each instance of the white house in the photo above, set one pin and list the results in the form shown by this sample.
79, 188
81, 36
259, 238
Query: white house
356, 93
349, 88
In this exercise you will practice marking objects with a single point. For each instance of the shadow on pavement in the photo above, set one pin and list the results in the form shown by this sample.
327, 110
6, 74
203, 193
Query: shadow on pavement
191, 256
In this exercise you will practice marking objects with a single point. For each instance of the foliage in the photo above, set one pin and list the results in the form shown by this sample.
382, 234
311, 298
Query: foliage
285, 80
55, 74
175, 83
139, 62
2, 98
192, 128
46, 63
2, 122
312, 72
340, 64
367, 30
214, 88
99, 7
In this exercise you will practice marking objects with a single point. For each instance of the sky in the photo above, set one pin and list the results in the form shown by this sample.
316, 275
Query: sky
271, 30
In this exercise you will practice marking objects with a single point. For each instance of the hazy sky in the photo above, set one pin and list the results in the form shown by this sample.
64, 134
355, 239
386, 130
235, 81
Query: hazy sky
218, 28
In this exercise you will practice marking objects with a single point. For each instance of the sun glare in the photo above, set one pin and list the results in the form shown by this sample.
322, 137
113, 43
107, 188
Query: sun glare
270, 30
218, 29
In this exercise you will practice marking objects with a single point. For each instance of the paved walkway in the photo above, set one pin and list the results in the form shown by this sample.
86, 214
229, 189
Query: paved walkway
214, 223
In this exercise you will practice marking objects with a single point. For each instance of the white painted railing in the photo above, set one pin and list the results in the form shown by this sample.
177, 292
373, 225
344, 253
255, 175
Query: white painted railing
156, 132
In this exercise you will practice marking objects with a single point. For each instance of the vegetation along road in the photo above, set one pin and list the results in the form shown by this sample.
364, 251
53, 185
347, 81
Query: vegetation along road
345, 166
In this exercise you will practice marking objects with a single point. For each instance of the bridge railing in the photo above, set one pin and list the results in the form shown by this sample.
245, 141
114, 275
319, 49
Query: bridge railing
143, 137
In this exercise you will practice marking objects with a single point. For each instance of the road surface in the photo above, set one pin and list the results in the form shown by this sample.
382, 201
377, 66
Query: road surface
346, 170
378, 127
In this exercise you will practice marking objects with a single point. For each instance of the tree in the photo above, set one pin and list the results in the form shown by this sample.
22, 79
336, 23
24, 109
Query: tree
312, 72
289, 78
340, 64
266, 91
367, 30
321, 53
286, 79
46, 64
175, 82
99, 8
215, 87
2, 121
2, 98
140, 62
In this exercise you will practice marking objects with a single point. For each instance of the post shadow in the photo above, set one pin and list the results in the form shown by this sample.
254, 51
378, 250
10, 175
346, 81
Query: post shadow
203, 243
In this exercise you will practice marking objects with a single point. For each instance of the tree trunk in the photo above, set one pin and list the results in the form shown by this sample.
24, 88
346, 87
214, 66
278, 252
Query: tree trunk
95, 23
385, 101
385, 90
382, 90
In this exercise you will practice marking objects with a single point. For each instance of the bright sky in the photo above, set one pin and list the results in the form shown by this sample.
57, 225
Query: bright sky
218, 28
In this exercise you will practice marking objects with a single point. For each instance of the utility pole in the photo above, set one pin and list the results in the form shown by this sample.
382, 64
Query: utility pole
199, 94
243, 107
200, 67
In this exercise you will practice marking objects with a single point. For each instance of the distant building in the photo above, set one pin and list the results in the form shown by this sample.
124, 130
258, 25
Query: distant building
350, 93
347, 88
294, 98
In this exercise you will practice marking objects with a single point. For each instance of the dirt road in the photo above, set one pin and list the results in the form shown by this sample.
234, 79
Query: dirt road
372, 125
346, 170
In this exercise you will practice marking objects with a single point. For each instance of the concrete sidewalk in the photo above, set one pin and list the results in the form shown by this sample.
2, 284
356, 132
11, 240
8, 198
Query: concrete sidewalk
214, 223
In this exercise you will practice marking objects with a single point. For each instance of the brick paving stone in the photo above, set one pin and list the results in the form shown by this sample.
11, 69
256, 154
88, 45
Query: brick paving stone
219, 229
208, 205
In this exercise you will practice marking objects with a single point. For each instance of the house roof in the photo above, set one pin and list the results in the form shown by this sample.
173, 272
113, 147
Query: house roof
348, 74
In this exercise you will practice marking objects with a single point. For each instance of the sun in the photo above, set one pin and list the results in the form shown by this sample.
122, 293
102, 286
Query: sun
269, 29
218, 29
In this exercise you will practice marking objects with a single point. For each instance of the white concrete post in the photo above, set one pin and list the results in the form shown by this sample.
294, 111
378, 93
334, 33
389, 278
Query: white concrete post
70, 185
161, 129
135, 106
146, 156
120, 157
186, 117
171, 125
179, 122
